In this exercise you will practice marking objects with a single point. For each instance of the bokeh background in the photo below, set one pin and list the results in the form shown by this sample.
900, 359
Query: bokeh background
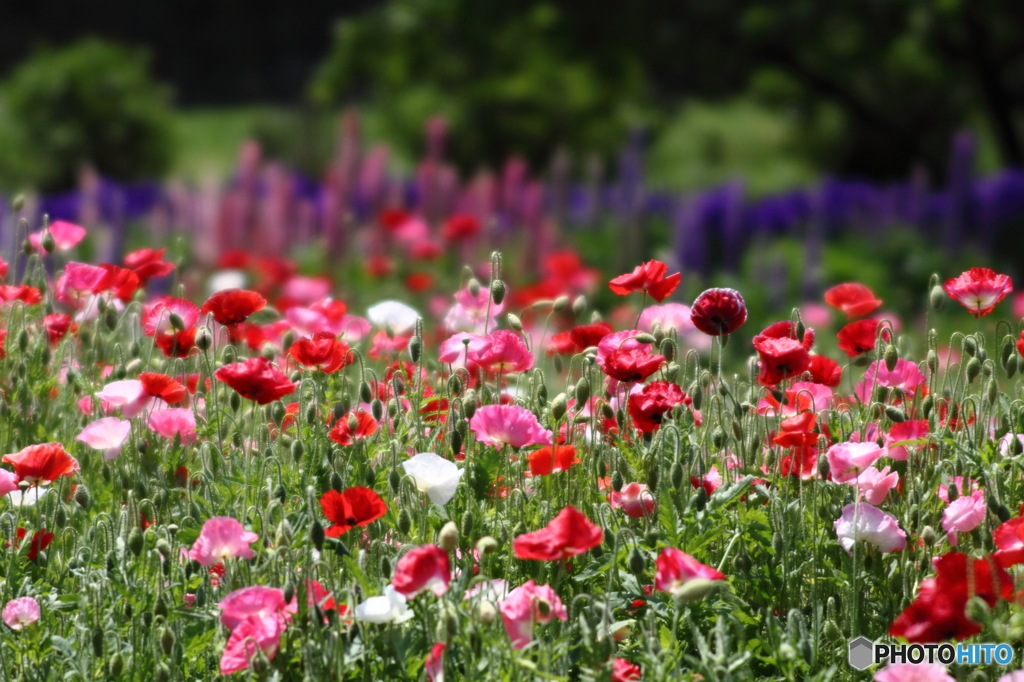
779, 146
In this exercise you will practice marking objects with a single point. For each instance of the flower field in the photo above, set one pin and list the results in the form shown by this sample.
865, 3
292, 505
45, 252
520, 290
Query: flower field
249, 470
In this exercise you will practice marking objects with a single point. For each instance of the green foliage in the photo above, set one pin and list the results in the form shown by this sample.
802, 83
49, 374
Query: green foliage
91, 103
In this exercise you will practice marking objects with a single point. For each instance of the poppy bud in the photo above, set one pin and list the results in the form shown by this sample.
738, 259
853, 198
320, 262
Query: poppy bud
365, 393
696, 589
992, 391
558, 363
82, 496
311, 415
890, 356
717, 438
393, 407
115, 664
952, 493
637, 562
385, 567
22, 340
497, 291
377, 409
668, 349
474, 286
978, 611
582, 392
336, 482
486, 545
895, 414
971, 346
579, 305
167, 640
606, 410
136, 543
559, 406
455, 441
937, 297
696, 394
48, 242
973, 369
163, 673
676, 475
448, 538
1016, 447
416, 348
560, 304
469, 402
404, 522
454, 385
514, 322
26, 247
394, 480
298, 450
701, 498
617, 482
486, 612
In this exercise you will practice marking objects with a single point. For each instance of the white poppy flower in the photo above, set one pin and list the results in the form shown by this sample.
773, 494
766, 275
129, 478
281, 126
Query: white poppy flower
435, 476
394, 317
388, 608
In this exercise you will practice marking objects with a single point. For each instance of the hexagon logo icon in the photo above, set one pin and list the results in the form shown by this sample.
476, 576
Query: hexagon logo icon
861, 655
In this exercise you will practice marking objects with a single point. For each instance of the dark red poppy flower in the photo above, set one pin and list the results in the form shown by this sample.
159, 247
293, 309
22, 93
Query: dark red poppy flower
43, 463
718, 311
782, 355
649, 406
859, 337
352, 427
20, 292
854, 299
825, 371
549, 459
256, 379
460, 227
353, 507
393, 218
568, 534
979, 289
148, 263
424, 568
324, 352
649, 278
57, 326
176, 344
162, 386
631, 364
233, 306
939, 611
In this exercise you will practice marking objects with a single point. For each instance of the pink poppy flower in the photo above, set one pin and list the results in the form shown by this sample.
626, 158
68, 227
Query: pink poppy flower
979, 289
470, 313
800, 397
508, 425
156, 318
848, 460
21, 612
712, 480
424, 568
107, 434
462, 347
526, 606
505, 353
624, 340
677, 568
127, 394
8, 481
872, 525
669, 316
174, 421
912, 429
964, 514
65, 236
905, 376
1004, 443
634, 499
875, 484
256, 600
306, 290
222, 537
964, 486
915, 672
252, 635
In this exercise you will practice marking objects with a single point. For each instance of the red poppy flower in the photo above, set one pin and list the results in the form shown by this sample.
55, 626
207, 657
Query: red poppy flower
854, 299
57, 325
568, 534
798, 431
782, 354
938, 612
393, 218
418, 282
233, 306
356, 506
20, 292
379, 266
547, 459
148, 263
1009, 538
352, 427
424, 568
649, 406
718, 311
631, 364
561, 344
176, 344
122, 281
859, 337
825, 371
1020, 344
43, 463
461, 226
40, 541
3, 342
979, 289
587, 335
234, 259
162, 386
624, 671
324, 352
256, 379
649, 278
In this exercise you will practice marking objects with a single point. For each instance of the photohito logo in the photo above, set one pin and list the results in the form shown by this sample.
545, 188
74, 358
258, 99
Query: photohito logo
865, 653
